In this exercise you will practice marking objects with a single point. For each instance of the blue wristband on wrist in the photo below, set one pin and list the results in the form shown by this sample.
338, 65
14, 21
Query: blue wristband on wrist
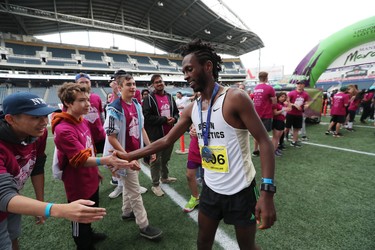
98, 161
47, 211
267, 180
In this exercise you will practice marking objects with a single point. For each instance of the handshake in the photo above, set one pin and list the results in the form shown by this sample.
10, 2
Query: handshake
120, 161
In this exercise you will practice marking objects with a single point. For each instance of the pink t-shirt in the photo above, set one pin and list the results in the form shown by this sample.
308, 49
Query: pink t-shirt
339, 101
70, 139
132, 127
164, 109
298, 98
353, 105
194, 153
93, 117
19, 160
278, 106
262, 100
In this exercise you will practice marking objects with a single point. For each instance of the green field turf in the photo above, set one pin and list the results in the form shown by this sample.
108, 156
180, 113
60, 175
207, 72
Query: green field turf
325, 200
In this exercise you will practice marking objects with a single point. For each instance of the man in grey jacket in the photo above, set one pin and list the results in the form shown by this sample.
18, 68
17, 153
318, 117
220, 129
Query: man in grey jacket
161, 113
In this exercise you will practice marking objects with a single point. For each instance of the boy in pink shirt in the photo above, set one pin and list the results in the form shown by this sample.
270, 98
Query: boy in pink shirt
76, 157
264, 98
338, 111
95, 116
299, 101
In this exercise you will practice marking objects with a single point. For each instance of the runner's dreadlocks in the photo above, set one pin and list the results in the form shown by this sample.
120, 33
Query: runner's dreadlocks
204, 52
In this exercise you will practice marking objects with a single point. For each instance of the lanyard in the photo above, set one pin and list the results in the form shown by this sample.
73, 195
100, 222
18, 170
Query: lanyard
206, 129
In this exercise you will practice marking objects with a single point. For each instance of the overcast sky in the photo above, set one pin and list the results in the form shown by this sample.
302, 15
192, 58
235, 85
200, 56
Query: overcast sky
289, 29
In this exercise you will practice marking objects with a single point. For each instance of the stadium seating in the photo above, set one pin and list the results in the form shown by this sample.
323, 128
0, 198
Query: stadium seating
178, 62
23, 49
3, 94
141, 59
94, 64
23, 60
54, 62
91, 55
161, 61
61, 53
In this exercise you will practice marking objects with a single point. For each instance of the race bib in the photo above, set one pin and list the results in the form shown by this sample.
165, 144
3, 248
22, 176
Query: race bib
219, 162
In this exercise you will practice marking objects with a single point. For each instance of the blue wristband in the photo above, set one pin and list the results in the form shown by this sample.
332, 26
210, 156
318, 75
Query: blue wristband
98, 161
267, 180
47, 211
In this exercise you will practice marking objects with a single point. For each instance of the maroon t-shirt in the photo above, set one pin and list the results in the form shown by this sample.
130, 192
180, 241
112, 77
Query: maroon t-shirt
19, 160
70, 139
339, 101
298, 98
262, 100
132, 127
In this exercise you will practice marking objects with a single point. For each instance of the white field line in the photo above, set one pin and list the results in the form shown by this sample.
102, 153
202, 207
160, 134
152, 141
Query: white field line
221, 237
359, 126
337, 148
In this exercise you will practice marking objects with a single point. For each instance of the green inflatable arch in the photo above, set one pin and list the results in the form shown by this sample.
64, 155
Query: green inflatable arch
326, 52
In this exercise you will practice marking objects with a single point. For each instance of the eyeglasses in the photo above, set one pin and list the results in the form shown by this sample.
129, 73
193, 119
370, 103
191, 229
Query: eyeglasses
157, 82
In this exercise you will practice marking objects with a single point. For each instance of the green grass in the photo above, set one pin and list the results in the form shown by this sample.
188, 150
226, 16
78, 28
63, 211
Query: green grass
325, 200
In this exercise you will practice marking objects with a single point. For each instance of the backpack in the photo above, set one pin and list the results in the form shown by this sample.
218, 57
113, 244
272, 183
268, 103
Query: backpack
56, 171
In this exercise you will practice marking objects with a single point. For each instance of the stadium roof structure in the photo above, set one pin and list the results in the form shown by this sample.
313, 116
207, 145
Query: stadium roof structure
164, 24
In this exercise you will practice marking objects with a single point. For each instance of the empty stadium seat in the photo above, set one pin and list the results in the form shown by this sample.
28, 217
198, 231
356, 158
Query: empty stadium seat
23, 49
92, 55
61, 53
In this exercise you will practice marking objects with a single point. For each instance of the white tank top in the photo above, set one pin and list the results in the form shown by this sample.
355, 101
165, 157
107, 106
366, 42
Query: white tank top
232, 169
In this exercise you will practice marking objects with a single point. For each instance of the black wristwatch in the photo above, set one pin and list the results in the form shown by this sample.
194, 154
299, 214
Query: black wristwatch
268, 187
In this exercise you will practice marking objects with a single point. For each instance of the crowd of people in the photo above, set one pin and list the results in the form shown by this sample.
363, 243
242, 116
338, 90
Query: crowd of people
145, 124
344, 106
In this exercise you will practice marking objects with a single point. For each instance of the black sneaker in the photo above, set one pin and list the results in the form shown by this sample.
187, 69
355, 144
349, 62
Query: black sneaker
328, 132
256, 153
295, 144
129, 217
281, 147
97, 237
151, 233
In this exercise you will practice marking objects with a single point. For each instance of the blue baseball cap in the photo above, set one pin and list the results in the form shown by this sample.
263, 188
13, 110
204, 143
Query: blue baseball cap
26, 103
80, 75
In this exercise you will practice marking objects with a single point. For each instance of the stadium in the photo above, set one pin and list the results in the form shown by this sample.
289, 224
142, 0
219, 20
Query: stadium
325, 197
30, 64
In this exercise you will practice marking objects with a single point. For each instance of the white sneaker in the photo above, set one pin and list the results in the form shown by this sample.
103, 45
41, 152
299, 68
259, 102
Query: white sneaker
157, 191
115, 193
142, 190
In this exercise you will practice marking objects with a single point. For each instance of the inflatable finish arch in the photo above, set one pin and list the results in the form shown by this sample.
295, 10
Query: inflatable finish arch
322, 55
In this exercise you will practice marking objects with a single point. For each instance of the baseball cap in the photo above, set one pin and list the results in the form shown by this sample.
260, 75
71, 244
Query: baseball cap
84, 75
26, 103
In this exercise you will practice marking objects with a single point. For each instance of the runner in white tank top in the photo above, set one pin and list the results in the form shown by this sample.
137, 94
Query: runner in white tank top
229, 193
233, 169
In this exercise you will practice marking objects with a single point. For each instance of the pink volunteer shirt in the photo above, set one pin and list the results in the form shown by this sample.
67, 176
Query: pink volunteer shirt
132, 127
262, 100
298, 98
339, 101
164, 109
